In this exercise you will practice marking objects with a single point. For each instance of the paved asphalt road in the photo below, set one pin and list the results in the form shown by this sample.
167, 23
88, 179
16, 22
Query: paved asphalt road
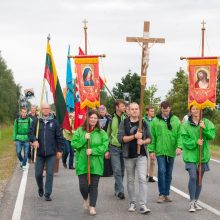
67, 201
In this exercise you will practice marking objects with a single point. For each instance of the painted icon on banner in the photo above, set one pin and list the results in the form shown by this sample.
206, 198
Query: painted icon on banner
88, 76
202, 76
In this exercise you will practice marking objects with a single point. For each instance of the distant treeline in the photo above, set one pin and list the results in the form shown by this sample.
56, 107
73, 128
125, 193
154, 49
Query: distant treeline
9, 93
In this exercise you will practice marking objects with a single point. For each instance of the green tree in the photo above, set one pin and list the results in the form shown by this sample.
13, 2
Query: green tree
178, 95
9, 93
150, 97
107, 101
131, 84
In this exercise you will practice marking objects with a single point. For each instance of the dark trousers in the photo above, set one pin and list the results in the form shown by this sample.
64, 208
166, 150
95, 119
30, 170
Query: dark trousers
68, 150
39, 167
89, 190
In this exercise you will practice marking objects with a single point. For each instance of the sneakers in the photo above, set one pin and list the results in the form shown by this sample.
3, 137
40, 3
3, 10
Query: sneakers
161, 199
121, 195
25, 167
85, 204
92, 210
167, 199
192, 207
132, 207
48, 198
151, 179
144, 210
197, 206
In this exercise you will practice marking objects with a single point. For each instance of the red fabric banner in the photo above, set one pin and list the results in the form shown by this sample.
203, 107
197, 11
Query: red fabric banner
87, 69
202, 81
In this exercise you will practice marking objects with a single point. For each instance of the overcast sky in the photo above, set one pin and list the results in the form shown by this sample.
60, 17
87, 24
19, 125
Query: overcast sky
25, 24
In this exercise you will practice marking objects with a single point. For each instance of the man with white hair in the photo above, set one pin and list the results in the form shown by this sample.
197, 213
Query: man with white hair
49, 143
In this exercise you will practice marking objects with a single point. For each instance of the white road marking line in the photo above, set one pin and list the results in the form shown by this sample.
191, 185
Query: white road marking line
217, 161
20, 197
202, 204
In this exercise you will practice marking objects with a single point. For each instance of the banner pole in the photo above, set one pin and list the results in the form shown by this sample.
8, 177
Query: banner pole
38, 120
200, 118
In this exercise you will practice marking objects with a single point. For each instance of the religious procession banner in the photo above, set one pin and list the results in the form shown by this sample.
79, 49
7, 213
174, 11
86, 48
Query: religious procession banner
202, 81
87, 69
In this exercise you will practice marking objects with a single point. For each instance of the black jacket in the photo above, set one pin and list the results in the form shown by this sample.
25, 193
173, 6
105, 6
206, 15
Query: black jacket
50, 137
124, 130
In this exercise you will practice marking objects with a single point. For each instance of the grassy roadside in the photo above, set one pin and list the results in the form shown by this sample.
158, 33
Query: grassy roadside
215, 151
7, 156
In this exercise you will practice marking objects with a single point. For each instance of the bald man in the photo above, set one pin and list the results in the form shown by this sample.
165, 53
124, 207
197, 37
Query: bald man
49, 142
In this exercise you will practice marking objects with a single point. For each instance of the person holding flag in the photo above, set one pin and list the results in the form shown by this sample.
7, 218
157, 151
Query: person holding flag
190, 135
98, 146
49, 144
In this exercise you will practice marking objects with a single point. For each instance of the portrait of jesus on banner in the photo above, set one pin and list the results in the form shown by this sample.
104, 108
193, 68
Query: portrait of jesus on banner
202, 81
202, 77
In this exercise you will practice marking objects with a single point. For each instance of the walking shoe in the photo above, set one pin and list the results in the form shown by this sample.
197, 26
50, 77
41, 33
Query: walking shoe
144, 210
71, 167
167, 199
48, 198
64, 165
197, 206
40, 192
121, 195
132, 207
24, 167
192, 207
92, 210
151, 179
85, 204
161, 199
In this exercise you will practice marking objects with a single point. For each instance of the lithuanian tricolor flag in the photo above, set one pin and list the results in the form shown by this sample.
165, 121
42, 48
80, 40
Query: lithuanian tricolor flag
50, 74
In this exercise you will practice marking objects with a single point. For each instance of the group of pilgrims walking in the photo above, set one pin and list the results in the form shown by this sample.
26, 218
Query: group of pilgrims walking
114, 140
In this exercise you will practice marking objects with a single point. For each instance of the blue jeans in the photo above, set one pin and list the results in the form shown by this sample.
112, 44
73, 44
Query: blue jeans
165, 169
117, 167
193, 184
68, 150
25, 145
39, 167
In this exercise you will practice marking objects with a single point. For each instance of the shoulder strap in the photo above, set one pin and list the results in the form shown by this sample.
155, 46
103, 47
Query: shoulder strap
127, 126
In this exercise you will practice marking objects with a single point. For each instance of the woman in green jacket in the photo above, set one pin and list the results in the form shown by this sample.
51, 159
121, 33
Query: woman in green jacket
98, 146
190, 134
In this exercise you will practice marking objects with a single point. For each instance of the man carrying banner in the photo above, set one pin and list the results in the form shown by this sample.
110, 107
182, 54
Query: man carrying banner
49, 143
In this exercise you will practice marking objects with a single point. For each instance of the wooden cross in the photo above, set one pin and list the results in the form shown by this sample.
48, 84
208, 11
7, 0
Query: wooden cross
145, 40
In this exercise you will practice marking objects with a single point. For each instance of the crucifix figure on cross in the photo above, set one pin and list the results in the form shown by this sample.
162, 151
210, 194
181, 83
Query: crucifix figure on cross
145, 40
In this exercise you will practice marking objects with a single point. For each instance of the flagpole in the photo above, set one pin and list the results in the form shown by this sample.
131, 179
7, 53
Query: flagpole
87, 109
40, 111
201, 113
